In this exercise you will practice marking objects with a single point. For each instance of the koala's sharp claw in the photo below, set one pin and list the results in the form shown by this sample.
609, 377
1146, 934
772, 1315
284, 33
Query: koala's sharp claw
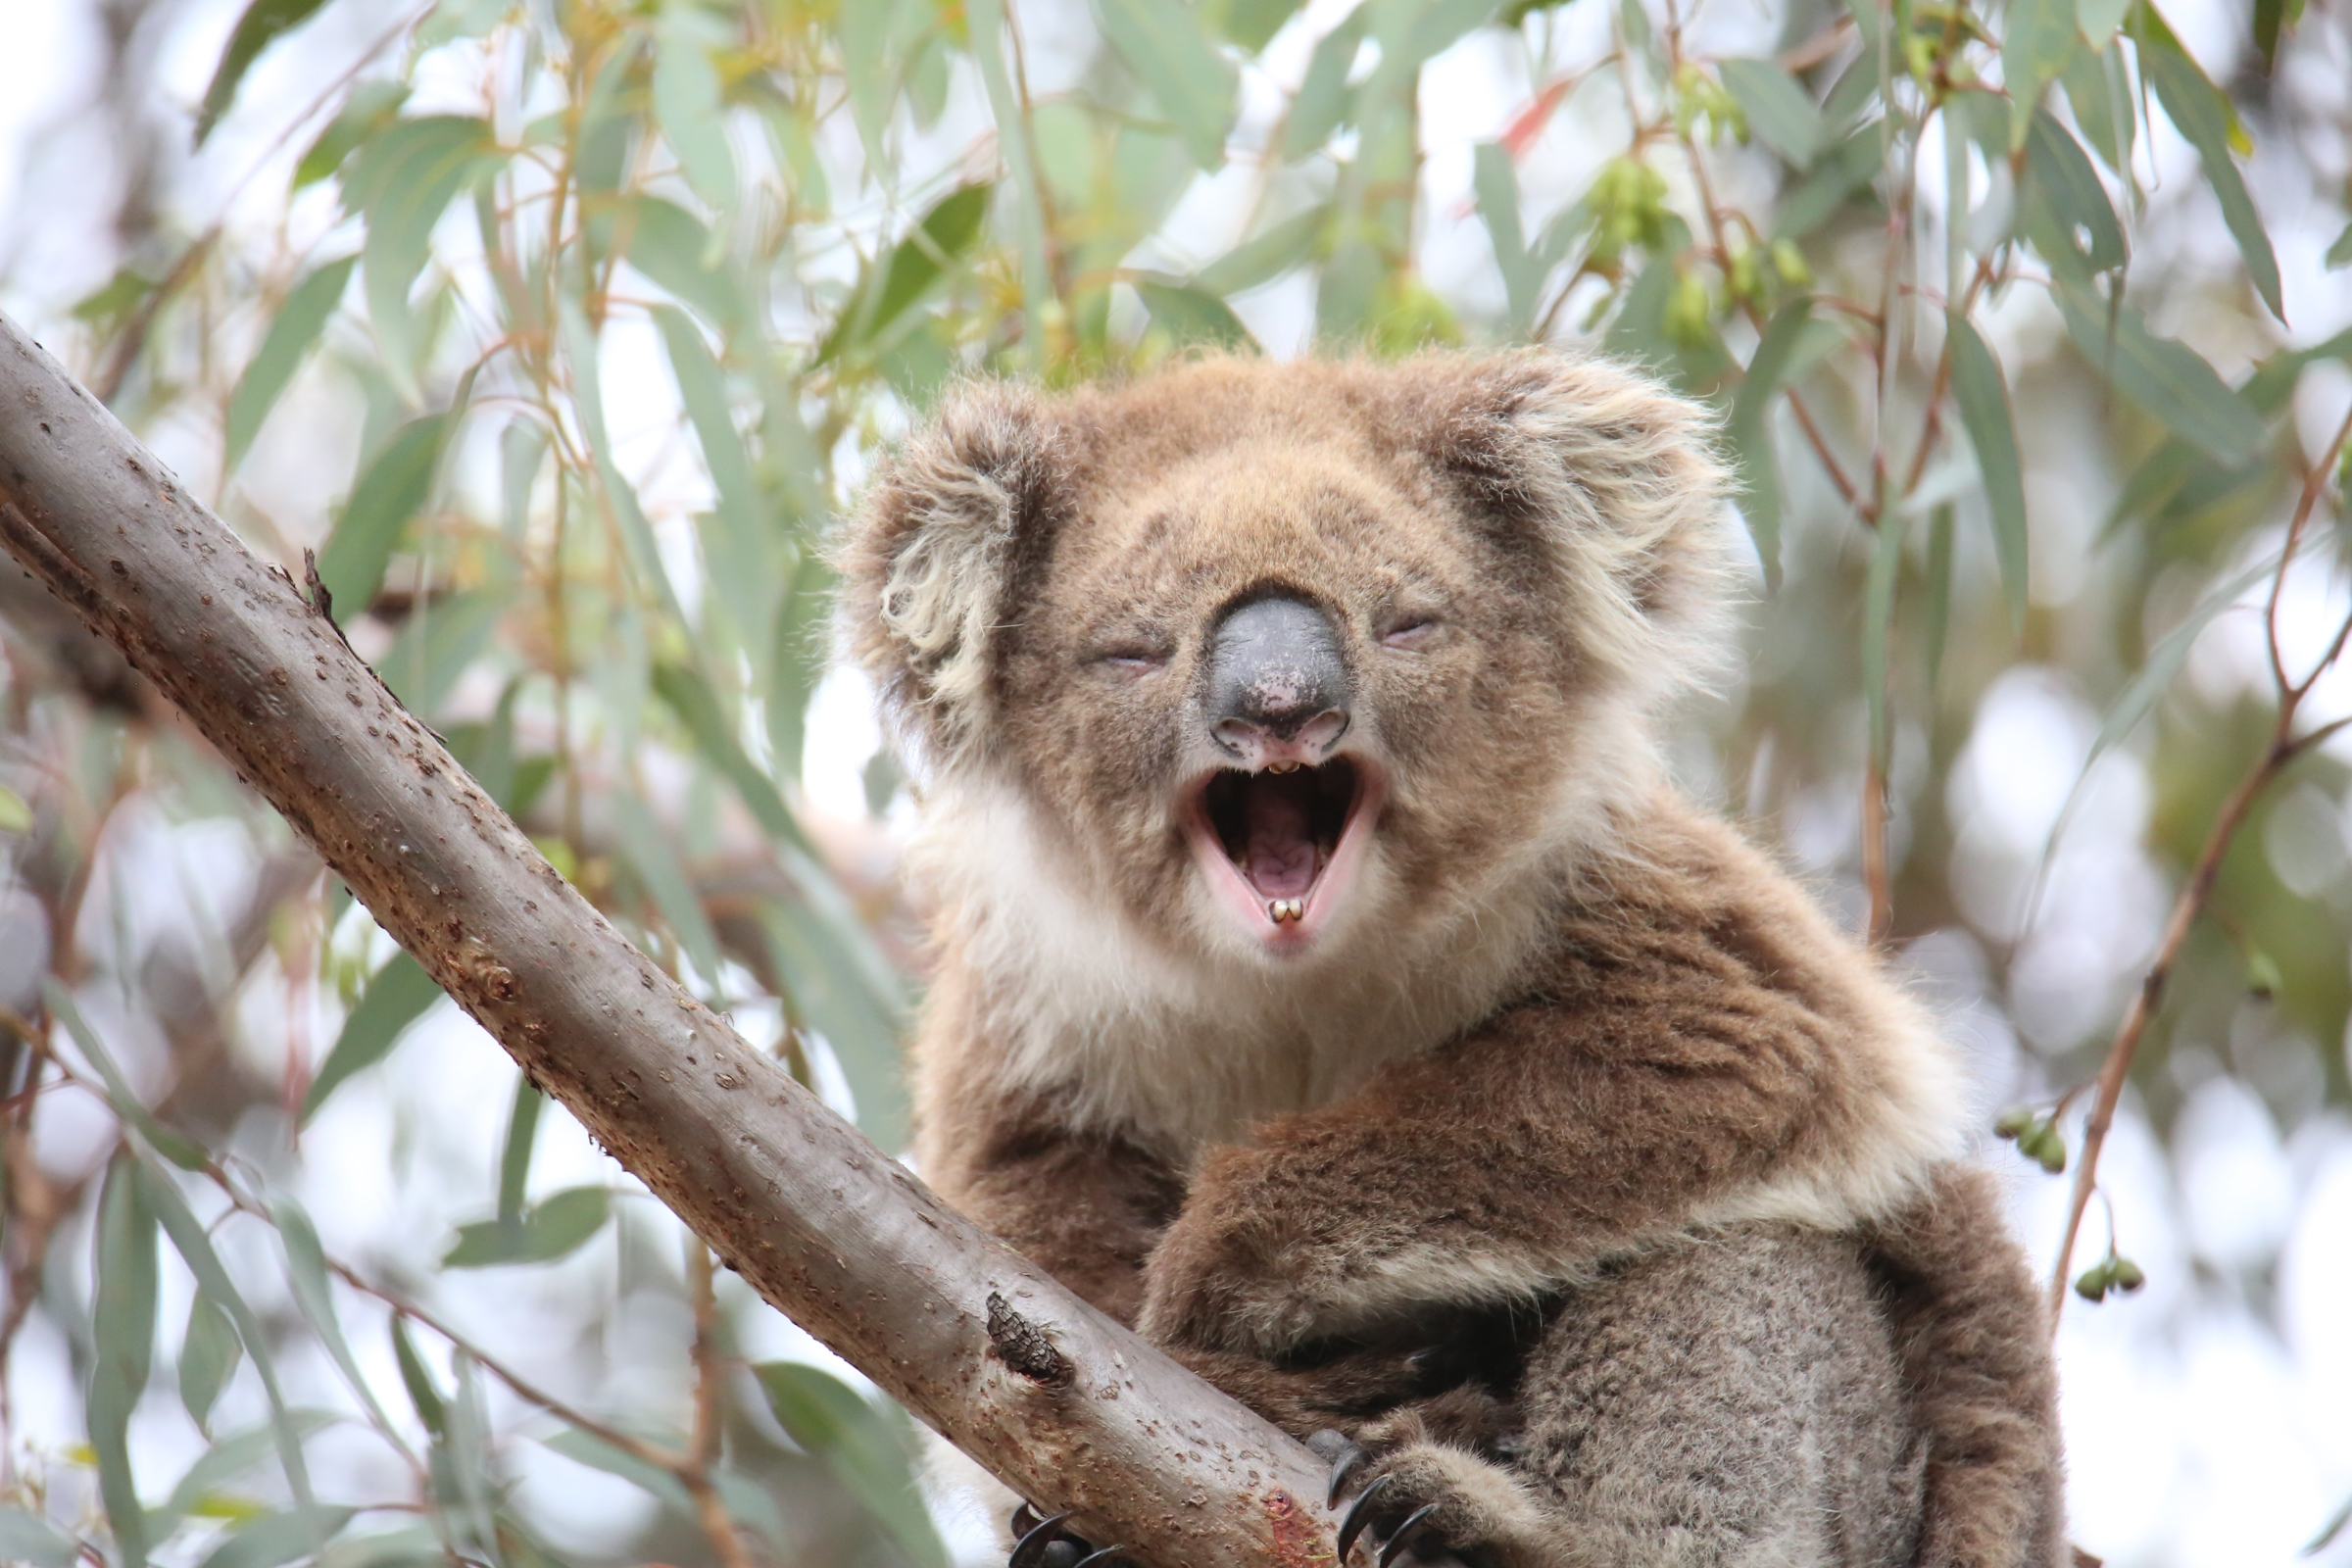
1092, 1558
1024, 1520
1360, 1514
1345, 1461
1063, 1551
1030, 1551
1397, 1542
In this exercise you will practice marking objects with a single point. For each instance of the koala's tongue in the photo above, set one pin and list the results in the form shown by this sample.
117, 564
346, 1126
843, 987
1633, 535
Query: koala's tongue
1279, 854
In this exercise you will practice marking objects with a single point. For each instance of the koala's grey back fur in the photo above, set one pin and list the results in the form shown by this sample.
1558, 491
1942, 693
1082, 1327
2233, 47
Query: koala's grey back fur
1731, 1400
1666, 1405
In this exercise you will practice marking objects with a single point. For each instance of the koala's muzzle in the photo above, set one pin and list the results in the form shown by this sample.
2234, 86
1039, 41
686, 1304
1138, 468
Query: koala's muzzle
1276, 685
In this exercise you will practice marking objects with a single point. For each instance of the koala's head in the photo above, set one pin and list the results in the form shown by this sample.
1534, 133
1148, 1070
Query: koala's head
1291, 661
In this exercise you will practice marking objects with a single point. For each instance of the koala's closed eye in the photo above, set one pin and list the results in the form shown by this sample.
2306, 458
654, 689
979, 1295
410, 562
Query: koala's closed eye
1129, 659
1412, 631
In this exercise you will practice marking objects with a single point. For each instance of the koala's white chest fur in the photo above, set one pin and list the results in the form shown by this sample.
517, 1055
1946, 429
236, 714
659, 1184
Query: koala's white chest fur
1183, 1053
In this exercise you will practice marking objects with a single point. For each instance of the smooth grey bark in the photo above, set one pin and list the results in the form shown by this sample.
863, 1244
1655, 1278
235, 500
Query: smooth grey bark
1066, 1407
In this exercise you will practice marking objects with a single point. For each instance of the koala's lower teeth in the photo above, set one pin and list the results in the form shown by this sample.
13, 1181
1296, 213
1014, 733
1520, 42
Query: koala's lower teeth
1284, 911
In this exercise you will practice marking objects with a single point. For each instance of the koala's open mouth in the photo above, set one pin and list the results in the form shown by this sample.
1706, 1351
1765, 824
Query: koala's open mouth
1281, 848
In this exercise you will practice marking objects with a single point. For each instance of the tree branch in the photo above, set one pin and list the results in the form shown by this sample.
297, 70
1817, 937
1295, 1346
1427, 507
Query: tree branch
826, 1227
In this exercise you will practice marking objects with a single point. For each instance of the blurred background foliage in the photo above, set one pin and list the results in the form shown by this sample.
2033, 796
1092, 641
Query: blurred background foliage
560, 329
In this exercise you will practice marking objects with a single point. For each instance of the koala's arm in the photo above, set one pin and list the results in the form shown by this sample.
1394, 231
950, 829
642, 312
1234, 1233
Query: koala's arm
1675, 1062
1088, 1208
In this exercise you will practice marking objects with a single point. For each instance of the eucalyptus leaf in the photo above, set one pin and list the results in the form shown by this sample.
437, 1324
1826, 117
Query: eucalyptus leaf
385, 498
195, 1246
1878, 620
181, 1152
424, 1398
692, 114
207, 1357
315, 1294
1320, 106
31, 1540
2202, 115
403, 180
280, 1537
833, 1421
122, 1334
555, 1228
396, 998
1191, 314
648, 851
1495, 180
1264, 256
2166, 378
260, 25
1193, 85
297, 326
1777, 110
2038, 39
581, 1448
1751, 429
1983, 399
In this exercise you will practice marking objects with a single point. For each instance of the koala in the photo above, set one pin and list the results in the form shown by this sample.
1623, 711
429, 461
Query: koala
1330, 984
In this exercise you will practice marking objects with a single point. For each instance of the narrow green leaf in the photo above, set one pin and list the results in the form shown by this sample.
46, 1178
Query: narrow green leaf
1265, 256
1495, 179
438, 644
2061, 171
1321, 105
195, 1247
830, 992
1940, 591
1983, 399
1778, 110
2168, 378
29, 1538
1191, 314
1193, 85
690, 697
279, 1537
918, 261
261, 25
688, 103
1751, 430
371, 106
1877, 622
181, 1152
2272, 17
829, 1419
396, 998
2197, 108
384, 498
2038, 38
313, 1292
986, 20
225, 1460
553, 1229
2100, 19
598, 1454
797, 656
122, 1331
1253, 24
648, 854
636, 533
2137, 701
515, 1159
403, 180
207, 1357
2339, 253
1837, 175
422, 1395
2104, 107
669, 245
2333, 1528
742, 562
298, 325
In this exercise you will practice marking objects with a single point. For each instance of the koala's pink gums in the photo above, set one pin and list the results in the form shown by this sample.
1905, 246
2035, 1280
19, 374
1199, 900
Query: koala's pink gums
1280, 846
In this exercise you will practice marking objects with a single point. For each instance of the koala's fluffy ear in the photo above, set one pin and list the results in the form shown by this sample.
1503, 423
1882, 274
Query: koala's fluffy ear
927, 563
1614, 480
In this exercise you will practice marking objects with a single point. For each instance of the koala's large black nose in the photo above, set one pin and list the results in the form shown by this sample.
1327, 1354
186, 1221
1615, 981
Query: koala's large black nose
1277, 684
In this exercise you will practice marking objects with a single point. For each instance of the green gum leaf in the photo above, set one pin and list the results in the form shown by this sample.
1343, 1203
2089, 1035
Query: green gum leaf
396, 998
1983, 399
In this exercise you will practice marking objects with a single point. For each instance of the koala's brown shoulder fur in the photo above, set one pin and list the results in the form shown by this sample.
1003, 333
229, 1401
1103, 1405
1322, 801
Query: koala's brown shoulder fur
1554, 1049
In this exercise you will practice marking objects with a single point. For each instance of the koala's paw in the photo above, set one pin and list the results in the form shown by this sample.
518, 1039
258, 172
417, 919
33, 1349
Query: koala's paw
1042, 1542
1431, 1505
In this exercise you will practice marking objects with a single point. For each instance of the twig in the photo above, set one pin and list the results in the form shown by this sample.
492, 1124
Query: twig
2282, 750
709, 1383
